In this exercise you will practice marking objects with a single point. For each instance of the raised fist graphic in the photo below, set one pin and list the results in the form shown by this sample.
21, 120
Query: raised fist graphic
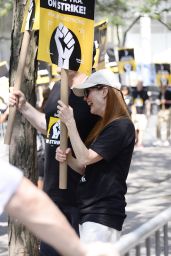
56, 131
127, 67
65, 45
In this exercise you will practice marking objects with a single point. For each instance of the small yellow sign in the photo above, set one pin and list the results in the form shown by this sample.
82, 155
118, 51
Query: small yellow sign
126, 60
100, 39
31, 15
163, 76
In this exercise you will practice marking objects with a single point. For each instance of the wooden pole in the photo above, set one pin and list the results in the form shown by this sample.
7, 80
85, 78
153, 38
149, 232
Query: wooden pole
17, 84
63, 131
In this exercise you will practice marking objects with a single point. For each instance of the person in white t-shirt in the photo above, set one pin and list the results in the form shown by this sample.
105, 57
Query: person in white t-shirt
21, 199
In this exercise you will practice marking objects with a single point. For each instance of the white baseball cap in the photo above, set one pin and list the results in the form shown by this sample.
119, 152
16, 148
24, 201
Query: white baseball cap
100, 77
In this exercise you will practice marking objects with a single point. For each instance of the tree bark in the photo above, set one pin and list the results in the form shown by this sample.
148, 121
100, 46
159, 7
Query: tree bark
118, 35
22, 152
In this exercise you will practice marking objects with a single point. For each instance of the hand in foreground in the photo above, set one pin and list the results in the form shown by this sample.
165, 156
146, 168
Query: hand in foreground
65, 112
16, 98
101, 249
61, 155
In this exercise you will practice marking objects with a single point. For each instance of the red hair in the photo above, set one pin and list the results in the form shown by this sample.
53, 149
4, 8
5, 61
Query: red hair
115, 109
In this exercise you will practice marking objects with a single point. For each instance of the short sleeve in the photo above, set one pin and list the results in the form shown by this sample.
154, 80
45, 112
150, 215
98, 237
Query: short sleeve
113, 139
10, 178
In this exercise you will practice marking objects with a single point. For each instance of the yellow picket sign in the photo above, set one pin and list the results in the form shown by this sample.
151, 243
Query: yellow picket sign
69, 25
31, 16
100, 38
126, 60
163, 76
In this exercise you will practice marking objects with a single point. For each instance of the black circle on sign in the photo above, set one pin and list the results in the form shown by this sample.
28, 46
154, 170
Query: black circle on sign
75, 58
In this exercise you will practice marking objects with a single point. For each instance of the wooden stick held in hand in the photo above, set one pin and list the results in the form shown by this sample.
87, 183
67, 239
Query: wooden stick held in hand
17, 85
63, 131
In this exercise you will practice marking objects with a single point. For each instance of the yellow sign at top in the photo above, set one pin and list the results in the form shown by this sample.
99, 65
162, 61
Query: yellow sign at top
66, 34
31, 16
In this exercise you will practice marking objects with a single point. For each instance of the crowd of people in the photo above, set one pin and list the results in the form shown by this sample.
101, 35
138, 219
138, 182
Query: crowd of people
104, 121
164, 116
101, 158
138, 104
140, 107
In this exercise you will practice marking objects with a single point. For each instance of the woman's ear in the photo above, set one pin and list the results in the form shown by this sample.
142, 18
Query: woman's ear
105, 91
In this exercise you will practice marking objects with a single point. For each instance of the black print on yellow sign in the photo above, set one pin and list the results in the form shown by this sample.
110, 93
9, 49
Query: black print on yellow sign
65, 50
81, 8
162, 74
31, 15
126, 60
100, 38
53, 133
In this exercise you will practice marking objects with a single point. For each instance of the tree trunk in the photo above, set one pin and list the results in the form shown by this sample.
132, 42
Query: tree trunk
118, 35
23, 143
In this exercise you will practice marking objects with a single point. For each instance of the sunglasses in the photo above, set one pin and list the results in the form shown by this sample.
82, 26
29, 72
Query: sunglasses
87, 90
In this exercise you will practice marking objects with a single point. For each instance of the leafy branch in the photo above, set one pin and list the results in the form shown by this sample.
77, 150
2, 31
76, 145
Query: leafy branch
5, 7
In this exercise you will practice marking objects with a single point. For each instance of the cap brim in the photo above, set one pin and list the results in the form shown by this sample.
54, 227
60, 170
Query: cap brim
79, 89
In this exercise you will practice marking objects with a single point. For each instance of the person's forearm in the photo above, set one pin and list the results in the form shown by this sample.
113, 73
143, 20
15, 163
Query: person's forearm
34, 209
75, 165
36, 118
3, 117
168, 101
80, 150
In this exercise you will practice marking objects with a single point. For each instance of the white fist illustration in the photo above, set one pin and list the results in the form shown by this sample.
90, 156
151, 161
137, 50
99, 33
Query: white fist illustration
56, 131
65, 45
128, 67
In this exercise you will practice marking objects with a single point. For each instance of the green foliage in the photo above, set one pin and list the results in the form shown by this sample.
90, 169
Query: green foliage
122, 12
111, 5
5, 7
116, 20
113, 9
127, 13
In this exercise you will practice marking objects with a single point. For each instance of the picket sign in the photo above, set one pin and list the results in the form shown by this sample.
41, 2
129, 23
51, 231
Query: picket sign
17, 84
78, 22
66, 36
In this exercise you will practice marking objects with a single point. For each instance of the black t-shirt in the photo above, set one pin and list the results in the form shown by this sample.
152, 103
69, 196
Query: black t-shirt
102, 189
129, 102
139, 98
85, 121
166, 96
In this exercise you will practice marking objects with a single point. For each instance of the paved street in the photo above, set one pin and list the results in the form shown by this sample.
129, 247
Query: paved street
3, 218
3, 235
149, 179
149, 189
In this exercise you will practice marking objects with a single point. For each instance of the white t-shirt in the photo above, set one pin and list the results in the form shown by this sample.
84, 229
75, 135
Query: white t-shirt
10, 178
